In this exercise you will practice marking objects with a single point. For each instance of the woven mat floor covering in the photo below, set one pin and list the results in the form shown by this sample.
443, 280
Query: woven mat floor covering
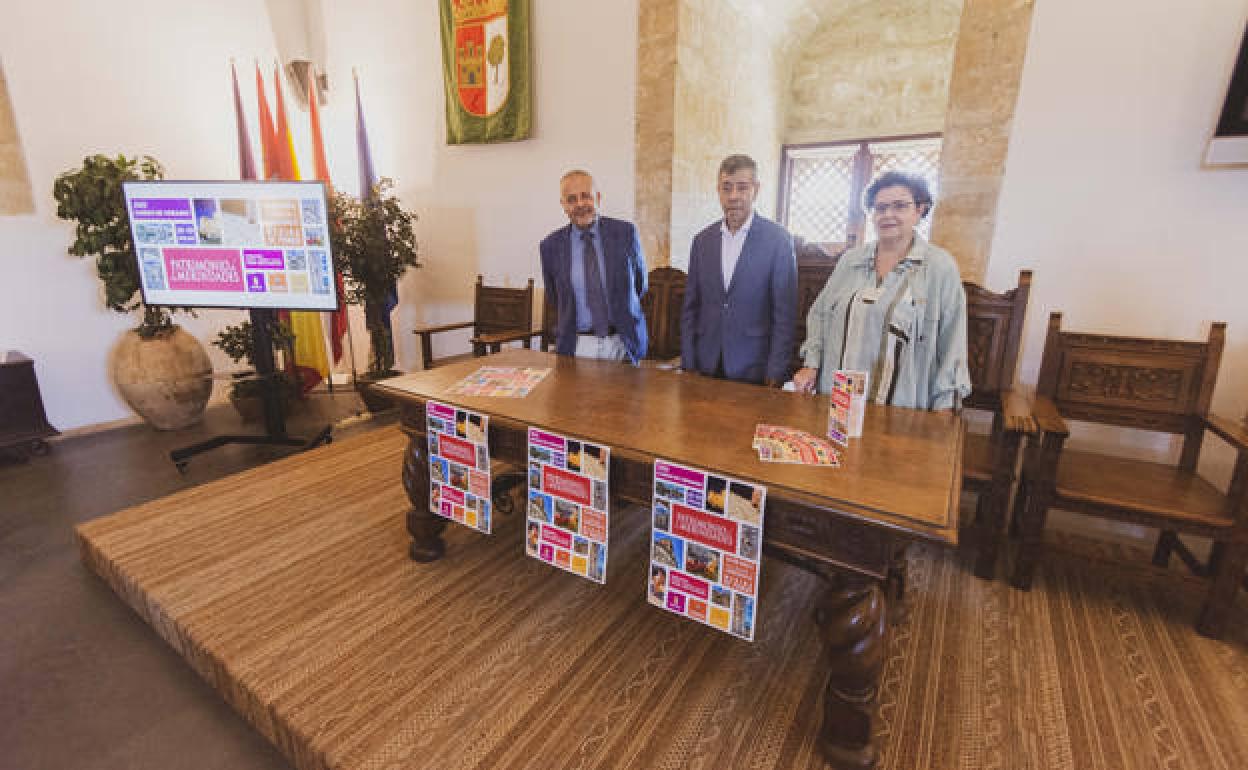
288, 588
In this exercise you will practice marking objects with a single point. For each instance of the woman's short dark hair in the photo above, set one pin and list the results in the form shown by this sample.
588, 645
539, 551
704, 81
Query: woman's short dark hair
916, 184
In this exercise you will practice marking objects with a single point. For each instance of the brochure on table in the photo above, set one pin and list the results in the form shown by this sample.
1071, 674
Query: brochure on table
706, 546
459, 465
232, 244
568, 515
848, 405
781, 444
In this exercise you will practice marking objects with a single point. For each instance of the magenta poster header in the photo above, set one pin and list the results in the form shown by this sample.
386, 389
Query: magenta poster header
204, 269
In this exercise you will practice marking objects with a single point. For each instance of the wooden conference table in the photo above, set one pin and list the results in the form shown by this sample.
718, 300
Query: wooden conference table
898, 483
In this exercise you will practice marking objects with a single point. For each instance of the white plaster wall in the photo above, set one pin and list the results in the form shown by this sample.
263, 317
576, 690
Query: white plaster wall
85, 77
484, 208
1104, 195
152, 77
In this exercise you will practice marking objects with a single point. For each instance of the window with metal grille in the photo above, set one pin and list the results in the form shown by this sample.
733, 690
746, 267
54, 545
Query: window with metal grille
822, 185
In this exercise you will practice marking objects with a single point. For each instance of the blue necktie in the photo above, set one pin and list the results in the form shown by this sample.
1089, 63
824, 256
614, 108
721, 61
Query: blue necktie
595, 296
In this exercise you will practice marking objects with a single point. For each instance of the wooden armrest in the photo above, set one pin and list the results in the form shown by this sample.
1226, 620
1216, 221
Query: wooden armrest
443, 328
498, 338
1232, 432
1048, 419
1016, 411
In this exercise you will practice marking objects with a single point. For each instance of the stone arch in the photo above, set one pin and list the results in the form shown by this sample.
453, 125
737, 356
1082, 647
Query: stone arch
691, 58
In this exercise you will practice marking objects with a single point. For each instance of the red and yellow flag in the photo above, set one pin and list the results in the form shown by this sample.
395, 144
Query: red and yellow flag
279, 162
338, 319
287, 166
267, 145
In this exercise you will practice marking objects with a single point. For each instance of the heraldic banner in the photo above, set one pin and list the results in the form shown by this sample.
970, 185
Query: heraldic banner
485, 70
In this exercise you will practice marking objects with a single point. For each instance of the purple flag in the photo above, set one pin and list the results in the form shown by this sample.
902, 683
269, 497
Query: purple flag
246, 161
368, 179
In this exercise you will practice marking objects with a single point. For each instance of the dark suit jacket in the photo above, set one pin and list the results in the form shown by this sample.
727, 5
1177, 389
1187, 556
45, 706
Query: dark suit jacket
752, 323
625, 280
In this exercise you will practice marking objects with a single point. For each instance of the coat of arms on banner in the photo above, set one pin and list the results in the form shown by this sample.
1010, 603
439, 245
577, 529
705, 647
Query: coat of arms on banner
485, 67
482, 52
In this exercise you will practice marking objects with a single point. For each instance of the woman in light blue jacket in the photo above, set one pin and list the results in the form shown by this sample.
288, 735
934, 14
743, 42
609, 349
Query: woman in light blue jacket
894, 308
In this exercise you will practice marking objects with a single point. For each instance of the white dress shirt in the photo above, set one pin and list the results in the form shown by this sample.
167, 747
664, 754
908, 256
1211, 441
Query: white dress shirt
730, 246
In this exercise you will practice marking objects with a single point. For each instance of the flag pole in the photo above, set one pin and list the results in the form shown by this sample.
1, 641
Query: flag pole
351, 350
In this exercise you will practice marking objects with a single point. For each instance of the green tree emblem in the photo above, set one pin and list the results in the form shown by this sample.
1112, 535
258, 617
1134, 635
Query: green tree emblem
495, 55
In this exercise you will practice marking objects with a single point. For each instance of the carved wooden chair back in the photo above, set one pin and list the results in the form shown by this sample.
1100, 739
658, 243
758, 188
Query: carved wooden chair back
662, 306
499, 309
662, 303
1150, 384
994, 324
814, 266
499, 315
550, 320
994, 329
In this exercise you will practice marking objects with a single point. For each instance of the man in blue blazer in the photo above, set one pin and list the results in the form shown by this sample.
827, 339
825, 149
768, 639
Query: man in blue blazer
739, 316
595, 273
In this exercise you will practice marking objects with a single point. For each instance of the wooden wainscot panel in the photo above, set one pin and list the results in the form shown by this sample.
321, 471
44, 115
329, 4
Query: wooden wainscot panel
631, 480
985, 342
507, 443
412, 417
802, 532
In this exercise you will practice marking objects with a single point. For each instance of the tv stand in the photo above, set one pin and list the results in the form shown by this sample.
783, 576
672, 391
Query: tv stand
274, 420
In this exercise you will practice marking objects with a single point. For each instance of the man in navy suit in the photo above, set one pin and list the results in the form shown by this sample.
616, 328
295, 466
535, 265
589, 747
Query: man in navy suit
595, 273
739, 316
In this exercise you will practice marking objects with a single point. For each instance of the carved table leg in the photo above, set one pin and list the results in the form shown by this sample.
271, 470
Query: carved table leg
502, 490
853, 623
423, 525
898, 570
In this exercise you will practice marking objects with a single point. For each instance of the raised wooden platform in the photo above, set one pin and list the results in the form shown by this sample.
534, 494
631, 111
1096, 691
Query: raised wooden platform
288, 588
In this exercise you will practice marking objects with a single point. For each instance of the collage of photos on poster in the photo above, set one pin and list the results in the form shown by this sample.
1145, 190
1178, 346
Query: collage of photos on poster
706, 542
568, 514
247, 245
847, 405
500, 381
459, 465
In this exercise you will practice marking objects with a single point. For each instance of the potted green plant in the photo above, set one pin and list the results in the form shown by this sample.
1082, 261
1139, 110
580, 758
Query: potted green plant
374, 244
161, 371
246, 390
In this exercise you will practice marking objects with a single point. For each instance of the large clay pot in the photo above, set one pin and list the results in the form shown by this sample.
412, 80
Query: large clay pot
165, 379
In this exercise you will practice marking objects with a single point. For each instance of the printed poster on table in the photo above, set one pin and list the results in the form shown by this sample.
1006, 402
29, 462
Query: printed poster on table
568, 517
459, 465
706, 544
500, 381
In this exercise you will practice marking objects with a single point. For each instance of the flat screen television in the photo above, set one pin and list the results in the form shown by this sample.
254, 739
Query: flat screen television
249, 245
